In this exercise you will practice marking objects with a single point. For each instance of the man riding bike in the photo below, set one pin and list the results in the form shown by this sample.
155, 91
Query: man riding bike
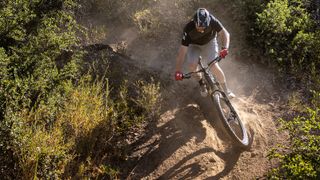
200, 38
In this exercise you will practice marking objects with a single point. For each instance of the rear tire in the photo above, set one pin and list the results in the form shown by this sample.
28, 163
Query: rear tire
230, 120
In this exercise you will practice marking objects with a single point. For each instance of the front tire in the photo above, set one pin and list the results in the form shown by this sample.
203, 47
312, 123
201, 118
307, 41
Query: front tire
230, 119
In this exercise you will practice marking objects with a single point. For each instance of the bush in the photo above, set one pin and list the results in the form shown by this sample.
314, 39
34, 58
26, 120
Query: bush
99, 125
279, 23
146, 21
52, 115
287, 33
301, 158
34, 35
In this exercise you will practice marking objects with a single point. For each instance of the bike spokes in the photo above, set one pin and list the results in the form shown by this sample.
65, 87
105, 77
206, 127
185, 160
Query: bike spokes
230, 119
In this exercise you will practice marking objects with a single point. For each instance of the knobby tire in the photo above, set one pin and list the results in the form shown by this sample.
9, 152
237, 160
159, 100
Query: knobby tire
240, 137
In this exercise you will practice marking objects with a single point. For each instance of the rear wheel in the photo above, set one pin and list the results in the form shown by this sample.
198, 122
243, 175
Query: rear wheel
230, 119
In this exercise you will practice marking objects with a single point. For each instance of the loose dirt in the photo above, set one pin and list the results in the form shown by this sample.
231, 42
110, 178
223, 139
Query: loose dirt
182, 143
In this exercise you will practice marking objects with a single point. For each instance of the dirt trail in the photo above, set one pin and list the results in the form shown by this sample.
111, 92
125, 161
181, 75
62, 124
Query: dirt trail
182, 144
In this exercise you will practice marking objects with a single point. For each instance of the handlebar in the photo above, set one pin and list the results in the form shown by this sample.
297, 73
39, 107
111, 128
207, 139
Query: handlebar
188, 75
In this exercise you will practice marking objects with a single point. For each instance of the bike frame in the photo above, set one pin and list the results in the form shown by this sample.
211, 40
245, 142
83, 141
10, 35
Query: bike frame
213, 84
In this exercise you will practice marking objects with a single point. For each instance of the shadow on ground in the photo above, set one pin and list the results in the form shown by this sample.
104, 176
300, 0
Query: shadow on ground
161, 143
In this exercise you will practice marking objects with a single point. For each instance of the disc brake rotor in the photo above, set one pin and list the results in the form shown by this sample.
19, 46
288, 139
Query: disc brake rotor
231, 117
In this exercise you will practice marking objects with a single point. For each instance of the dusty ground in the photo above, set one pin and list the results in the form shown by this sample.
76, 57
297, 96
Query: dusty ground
182, 144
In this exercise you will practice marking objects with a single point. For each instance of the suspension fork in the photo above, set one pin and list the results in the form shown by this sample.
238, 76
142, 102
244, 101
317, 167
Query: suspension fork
212, 83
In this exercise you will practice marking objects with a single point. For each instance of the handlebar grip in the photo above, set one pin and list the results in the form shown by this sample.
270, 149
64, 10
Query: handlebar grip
219, 58
186, 76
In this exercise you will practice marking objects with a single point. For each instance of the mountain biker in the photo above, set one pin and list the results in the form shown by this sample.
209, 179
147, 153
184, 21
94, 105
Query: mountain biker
200, 38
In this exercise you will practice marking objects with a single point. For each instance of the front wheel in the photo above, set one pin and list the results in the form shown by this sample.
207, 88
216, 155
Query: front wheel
230, 119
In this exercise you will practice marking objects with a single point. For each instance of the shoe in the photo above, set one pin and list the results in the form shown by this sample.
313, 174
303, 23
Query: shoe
230, 94
227, 91
203, 89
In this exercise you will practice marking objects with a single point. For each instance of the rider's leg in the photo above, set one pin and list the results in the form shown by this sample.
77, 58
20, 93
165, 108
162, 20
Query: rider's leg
192, 59
192, 68
219, 74
210, 52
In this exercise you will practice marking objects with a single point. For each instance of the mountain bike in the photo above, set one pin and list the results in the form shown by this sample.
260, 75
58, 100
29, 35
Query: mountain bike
226, 112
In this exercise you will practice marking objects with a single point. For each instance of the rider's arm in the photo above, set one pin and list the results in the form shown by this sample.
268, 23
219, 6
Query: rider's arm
225, 37
180, 57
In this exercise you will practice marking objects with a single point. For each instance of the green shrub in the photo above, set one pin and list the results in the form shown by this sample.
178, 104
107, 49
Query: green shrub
52, 117
42, 153
84, 108
278, 24
44, 150
149, 96
34, 34
287, 33
146, 21
135, 108
275, 17
92, 119
301, 158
